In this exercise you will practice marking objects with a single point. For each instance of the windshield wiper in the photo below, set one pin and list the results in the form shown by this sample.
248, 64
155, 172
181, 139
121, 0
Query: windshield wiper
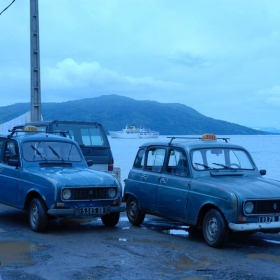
204, 165
38, 152
224, 166
55, 153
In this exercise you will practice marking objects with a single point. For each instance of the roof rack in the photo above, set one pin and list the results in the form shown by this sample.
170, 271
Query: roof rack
205, 137
16, 130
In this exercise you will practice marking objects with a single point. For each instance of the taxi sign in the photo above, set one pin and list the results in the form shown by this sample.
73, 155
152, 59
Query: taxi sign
209, 136
31, 128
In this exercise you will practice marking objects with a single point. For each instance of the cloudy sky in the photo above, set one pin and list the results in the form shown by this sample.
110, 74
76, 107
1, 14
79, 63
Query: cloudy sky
220, 57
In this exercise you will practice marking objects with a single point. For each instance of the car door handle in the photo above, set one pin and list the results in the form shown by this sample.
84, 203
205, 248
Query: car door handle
163, 180
144, 177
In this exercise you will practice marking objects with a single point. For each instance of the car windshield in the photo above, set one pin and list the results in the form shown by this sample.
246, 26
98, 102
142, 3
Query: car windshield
50, 151
221, 158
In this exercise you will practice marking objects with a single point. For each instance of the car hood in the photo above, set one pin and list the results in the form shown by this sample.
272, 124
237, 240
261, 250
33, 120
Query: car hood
73, 176
246, 187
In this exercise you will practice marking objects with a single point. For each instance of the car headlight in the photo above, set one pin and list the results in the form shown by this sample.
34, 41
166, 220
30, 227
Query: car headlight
111, 193
248, 207
66, 194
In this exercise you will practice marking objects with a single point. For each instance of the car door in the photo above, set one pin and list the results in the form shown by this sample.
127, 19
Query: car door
150, 177
173, 185
9, 175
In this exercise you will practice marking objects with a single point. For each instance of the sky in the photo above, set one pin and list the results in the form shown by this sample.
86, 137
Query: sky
219, 57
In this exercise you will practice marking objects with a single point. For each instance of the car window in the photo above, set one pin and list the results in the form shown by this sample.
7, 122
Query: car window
86, 135
50, 151
139, 160
11, 151
177, 163
155, 159
221, 158
1, 148
92, 137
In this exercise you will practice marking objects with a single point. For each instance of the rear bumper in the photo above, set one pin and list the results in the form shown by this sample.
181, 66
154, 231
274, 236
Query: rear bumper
61, 212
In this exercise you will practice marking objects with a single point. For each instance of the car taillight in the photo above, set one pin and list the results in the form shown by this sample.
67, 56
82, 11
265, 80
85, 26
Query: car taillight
111, 165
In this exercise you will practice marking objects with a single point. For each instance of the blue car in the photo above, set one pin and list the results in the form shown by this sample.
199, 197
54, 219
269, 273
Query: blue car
48, 176
206, 183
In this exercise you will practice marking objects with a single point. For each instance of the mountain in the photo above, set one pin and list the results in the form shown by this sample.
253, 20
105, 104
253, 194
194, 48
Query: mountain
115, 112
273, 130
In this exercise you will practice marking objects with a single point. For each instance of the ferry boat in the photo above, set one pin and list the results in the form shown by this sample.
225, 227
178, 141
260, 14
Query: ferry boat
134, 133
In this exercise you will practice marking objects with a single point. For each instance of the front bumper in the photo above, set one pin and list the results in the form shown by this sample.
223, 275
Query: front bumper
60, 212
255, 226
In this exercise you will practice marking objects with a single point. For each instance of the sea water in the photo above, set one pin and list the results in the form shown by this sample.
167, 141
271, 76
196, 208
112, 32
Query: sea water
265, 150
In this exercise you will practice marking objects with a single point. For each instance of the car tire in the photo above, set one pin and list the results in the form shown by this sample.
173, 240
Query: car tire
134, 214
110, 220
215, 230
38, 217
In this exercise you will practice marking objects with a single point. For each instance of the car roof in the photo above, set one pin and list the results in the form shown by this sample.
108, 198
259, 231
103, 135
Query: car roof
60, 121
189, 143
22, 136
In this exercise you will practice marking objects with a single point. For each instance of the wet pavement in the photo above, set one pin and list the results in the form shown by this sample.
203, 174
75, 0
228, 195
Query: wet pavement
158, 249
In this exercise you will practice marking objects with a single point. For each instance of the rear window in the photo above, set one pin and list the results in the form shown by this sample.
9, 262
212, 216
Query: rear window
86, 135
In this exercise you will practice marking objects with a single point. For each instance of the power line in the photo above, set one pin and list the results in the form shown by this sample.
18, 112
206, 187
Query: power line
7, 7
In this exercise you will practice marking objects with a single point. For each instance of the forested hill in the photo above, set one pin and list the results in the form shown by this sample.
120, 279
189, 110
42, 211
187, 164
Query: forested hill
115, 112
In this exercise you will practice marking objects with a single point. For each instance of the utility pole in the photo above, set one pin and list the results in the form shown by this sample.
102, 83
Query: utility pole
35, 109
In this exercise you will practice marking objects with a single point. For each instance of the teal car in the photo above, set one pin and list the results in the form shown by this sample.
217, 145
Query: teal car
206, 183
48, 176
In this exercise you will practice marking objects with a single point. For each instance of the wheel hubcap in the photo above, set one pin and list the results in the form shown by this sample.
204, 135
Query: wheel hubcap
212, 228
133, 209
34, 215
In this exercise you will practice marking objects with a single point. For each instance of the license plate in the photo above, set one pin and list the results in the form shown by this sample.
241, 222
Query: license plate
92, 210
268, 219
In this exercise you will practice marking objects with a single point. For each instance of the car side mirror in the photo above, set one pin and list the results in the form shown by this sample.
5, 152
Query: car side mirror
90, 162
13, 162
262, 172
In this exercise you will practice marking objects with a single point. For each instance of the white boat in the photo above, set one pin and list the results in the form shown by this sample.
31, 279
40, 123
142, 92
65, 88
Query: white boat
134, 133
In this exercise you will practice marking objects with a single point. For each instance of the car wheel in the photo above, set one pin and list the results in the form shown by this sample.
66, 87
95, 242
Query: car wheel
215, 230
134, 214
110, 220
38, 217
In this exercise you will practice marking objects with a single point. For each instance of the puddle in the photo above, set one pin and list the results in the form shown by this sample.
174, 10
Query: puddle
264, 256
126, 228
123, 219
187, 263
193, 278
18, 252
123, 239
129, 240
272, 241
179, 232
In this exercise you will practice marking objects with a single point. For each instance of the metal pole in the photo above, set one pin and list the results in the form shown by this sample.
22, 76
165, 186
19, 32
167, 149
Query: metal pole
35, 109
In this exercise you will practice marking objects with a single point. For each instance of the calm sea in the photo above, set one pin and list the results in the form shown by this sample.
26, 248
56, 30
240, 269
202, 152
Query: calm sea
265, 150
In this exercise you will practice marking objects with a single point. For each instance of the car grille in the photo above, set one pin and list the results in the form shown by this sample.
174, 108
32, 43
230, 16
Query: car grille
89, 194
266, 206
